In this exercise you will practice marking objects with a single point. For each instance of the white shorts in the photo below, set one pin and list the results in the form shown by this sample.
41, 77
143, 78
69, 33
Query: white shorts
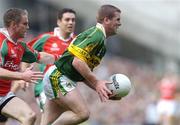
55, 82
5, 99
167, 107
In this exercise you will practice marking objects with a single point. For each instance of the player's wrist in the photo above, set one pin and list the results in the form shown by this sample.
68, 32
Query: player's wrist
20, 76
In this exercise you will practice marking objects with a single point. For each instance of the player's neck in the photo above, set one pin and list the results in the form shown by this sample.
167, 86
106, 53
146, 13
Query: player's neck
12, 35
65, 35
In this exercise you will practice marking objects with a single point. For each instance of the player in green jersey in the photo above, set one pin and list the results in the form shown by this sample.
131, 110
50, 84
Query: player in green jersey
65, 105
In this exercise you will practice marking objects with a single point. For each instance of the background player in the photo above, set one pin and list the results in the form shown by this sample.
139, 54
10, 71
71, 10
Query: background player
54, 43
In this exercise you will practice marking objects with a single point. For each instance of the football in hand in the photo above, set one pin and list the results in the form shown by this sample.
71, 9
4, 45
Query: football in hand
120, 86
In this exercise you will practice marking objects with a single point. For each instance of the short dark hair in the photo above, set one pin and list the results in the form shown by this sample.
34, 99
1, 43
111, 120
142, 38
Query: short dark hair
13, 14
65, 10
106, 11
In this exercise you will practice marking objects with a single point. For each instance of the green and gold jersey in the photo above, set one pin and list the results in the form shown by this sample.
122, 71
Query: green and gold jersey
88, 46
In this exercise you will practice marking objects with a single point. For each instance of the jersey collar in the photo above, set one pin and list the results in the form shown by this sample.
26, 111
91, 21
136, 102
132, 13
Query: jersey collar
101, 27
4, 31
57, 32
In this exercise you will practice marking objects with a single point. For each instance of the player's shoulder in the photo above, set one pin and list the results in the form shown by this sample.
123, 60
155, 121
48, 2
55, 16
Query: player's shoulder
2, 36
93, 31
47, 34
44, 36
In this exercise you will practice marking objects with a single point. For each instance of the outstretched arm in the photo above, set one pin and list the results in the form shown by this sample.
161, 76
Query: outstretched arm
93, 82
6, 74
46, 58
27, 75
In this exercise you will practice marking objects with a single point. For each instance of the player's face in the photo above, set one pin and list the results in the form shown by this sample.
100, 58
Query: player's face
113, 24
22, 27
67, 23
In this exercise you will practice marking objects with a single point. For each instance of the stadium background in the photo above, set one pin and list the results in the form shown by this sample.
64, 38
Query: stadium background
145, 48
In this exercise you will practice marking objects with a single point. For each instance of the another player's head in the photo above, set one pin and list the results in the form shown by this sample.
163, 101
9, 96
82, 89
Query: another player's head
16, 20
66, 20
109, 17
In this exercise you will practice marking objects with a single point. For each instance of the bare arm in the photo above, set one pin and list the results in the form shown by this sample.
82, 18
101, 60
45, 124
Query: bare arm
92, 81
46, 58
6, 74
21, 84
28, 75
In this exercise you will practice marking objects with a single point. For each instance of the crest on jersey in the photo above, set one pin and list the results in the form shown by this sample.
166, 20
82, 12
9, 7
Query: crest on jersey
13, 54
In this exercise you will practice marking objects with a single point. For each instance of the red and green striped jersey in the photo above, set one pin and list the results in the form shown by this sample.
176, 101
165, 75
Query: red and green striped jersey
50, 43
11, 55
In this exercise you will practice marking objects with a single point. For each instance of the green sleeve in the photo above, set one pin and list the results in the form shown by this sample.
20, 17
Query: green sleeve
39, 42
89, 47
29, 55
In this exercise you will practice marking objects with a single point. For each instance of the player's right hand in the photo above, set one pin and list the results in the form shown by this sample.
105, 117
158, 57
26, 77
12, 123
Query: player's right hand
31, 76
102, 90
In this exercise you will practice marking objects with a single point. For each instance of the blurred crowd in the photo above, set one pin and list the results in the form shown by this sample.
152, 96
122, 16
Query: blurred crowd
132, 109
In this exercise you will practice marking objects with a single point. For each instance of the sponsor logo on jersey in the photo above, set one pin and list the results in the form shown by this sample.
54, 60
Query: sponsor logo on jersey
54, 47
11, 65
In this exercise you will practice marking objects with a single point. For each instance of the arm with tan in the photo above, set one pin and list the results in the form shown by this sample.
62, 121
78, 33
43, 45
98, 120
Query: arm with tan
92, 81
46, 58
27, 75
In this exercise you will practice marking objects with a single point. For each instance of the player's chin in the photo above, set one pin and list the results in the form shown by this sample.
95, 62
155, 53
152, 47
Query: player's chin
70, 29
23, 34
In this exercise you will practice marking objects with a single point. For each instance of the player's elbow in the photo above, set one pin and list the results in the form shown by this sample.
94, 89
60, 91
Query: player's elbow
77, 63
46, 58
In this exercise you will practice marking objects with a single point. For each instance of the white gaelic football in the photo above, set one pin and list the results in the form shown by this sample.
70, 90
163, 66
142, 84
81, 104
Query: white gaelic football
120, 85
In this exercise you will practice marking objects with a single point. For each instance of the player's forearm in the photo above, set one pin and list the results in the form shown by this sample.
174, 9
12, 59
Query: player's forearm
85, 71
6, 74
46, 58
89, 84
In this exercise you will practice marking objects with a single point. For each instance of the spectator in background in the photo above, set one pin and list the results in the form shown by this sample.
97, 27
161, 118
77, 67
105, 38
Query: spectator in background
167, 104
151, 115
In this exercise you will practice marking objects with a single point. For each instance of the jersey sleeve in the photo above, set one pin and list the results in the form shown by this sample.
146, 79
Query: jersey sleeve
38, 42
30, 55
85, 47
3, 50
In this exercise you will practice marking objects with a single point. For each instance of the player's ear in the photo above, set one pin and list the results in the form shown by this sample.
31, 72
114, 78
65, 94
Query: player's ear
13, 24
58, 22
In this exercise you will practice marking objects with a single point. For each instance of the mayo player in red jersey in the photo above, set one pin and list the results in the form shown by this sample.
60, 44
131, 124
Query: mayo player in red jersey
54, 43
12, 52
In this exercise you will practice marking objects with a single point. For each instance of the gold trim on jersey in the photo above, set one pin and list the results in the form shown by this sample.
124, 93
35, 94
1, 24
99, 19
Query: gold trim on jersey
92, 61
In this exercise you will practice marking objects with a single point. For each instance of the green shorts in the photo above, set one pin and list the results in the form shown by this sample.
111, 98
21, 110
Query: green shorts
55, 82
